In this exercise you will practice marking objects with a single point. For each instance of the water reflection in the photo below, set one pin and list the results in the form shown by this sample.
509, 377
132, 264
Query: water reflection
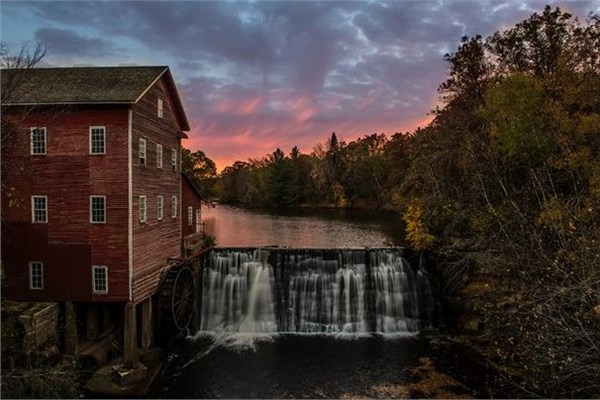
303, 227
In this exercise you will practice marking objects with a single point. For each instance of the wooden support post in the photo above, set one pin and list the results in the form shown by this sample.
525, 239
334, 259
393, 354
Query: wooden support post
147, 331
130, 348
92, 323
71, 337
107, 318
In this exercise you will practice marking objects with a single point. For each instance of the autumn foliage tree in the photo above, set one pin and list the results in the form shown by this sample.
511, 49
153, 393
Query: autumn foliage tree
511, 164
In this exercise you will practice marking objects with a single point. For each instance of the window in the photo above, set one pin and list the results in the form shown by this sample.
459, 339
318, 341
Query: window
39, 209
190, 215
38, 141
174, 206
36, 275
142, 151
198, 220
100, 279
160, 108
159, 156
97, 140
159, 207
142, 206
97, 209
174, 159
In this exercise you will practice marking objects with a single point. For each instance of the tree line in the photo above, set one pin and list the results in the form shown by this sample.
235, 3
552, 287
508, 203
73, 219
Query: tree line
338, 174
510, 165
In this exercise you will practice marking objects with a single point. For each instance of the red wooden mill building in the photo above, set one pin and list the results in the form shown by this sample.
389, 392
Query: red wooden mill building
92, 192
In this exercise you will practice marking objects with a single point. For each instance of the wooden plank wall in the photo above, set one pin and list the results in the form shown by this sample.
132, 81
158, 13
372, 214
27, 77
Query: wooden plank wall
68, 244
154, 241
188, 198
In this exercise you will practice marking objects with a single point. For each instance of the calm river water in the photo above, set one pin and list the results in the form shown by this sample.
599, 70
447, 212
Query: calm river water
218, 365
303, 227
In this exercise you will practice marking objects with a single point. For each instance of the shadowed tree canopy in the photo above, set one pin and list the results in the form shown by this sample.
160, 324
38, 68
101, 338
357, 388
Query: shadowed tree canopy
201, 170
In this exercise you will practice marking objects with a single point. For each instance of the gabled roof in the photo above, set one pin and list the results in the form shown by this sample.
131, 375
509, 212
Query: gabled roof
192, 185
89, 85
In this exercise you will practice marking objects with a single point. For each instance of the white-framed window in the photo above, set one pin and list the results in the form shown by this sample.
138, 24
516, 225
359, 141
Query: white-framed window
142, 151
190, 215
159, 207
174, 206
143, 209
159, 156
36, 275
174, 159
38, 141
97, 140
99, 279
97, 209
160, 107
39, 209
198, 220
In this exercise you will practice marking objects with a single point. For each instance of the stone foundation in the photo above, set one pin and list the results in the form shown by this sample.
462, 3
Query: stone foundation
41, 325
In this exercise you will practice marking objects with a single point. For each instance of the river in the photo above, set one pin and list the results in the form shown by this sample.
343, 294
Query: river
303, 227
223, 364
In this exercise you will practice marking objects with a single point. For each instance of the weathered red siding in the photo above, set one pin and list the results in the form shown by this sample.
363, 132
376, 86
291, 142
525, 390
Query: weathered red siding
189, 198
154, 241
68, 244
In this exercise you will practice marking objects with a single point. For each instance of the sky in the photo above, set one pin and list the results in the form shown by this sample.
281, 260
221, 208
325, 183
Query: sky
259, 75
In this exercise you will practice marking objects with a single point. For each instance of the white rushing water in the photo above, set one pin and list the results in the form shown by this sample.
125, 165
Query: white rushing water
265, 291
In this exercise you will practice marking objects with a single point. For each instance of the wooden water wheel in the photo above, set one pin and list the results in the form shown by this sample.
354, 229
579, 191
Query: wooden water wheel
177, 297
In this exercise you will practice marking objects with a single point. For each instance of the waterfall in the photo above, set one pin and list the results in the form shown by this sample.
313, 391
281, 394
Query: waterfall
314, 291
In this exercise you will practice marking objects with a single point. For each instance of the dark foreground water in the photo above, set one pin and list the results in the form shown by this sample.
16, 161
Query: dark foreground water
322, 366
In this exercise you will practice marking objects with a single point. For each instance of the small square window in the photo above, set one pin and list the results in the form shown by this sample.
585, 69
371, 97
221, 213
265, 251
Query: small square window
159, 207
159, 156
97, 140
99, 279
97, 209
174, 206
36, 275
160, 108
38, 141
142, 151
174, 159
142, 207
39, 209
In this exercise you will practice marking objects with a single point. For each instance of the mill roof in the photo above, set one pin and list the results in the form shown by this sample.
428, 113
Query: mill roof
87, 85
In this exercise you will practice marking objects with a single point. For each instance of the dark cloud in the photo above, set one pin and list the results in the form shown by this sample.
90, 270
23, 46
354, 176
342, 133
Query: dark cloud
63, 42
260, 75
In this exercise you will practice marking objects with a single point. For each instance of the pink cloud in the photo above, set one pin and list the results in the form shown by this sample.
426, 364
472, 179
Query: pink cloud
239, 106
267, 135
303, 108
